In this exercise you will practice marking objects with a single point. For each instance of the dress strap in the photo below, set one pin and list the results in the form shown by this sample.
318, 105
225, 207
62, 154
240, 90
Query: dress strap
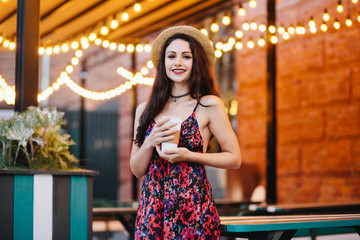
197, 104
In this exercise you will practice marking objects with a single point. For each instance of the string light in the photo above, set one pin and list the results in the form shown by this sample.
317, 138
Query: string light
226, 19
239, 34
214, 27
139, 48
253, 25
250, 44
262, 27
323, 27
286, 35
300, 29
204, 31
48, 51
41, 50
339, 7
281, 30
65, 47
121, 47
218, 53
336, 24
98, 41
147, 48
124, 16
358, 18
78, 53
112, 46
6, 43
241, 10
291, 30
104, 30
348, 21
246, 26
326, 16
57, 49
105, 43
114, 24
137, 7
239, 45
273, 39
74, 61
12, 46
355, 1
92, 36
312, 22
150, 64
252, 3
272, 29
130, 48
261, 42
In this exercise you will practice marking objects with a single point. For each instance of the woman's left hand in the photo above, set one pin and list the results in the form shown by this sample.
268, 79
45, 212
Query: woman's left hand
174, 155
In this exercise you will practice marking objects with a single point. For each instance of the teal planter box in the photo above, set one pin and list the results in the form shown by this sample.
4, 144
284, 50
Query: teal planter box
49, 205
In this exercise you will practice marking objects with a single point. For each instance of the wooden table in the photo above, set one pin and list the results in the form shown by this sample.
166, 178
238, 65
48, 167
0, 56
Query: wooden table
304, 208
125, 215
284, 227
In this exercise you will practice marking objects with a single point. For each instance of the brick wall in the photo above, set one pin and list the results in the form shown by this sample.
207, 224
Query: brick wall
318, 108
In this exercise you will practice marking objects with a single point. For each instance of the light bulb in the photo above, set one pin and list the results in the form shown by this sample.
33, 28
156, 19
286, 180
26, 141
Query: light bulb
92, 36
291, 30
105, 44
239, 45
246, 26
114, 24
272, 29
273, 39
74, 45
336, 24
74, 61
218, 53
339, 7
121, 47
261, 42
252, 3
41, 50
57, 49
312, 22
262, 27
239, 34
323, 27
48, 50
204, 31
281, 30
137, 7
130, 48
241, 11
348, 21
253, 26
326, 16
104, 30
124, 17
214, 27
286, 35
250, 44
139, 48
147, 48
65, 47
226, 20
112, 46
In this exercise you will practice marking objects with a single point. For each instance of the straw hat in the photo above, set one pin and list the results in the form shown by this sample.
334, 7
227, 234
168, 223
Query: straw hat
188, 30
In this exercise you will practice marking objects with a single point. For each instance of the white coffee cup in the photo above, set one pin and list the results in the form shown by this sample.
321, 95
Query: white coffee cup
175, 141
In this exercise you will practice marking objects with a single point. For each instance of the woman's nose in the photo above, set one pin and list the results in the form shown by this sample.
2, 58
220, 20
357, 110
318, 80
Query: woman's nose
178, 61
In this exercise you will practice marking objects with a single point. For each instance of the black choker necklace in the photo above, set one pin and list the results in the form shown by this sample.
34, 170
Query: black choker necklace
174, 98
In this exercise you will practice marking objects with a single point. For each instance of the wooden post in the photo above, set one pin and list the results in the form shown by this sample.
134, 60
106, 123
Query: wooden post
27, 57
271, 196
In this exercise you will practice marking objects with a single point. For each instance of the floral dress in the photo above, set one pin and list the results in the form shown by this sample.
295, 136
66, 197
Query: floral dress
176, 200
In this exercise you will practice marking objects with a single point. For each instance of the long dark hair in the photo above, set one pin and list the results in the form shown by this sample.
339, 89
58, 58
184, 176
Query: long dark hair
201, 83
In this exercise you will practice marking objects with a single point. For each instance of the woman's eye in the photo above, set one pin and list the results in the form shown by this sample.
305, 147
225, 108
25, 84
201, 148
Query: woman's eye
171, 56
187, 57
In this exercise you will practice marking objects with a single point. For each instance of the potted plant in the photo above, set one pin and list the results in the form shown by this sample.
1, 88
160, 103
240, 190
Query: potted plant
45, 195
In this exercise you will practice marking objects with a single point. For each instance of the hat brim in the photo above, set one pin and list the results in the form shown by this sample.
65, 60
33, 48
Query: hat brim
195, 33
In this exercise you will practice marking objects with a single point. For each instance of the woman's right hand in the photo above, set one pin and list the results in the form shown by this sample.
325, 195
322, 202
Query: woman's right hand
163, 131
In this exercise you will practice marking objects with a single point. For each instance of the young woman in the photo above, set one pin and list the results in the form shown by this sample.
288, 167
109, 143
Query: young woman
176, 200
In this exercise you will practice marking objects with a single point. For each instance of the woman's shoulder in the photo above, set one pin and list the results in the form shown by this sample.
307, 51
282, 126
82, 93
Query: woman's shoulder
141, 107
211, 101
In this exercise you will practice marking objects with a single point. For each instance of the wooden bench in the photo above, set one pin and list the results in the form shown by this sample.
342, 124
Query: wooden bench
284, 227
